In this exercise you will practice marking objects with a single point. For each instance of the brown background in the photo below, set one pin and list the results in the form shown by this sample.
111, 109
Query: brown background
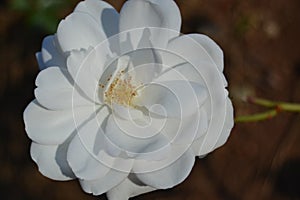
260, 161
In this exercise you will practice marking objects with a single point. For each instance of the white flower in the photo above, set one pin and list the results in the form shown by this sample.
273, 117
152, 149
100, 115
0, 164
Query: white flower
123, 102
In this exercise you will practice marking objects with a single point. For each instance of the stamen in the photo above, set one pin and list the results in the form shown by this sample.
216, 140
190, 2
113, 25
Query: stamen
121, 90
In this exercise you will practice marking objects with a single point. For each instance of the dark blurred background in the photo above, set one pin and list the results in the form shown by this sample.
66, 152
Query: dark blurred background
260, 39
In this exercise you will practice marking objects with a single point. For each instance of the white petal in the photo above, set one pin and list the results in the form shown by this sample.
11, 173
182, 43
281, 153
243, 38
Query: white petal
229, 122
126, 190
182, 131
104, 184
212, 48
134, 139
178, 98
51, 127
167, 174
85, 154
79, 30
40, 61
195, 54
195, 48
146, 63
191, 128
56, 92
126, 113
51, 53
86, 68
83, 150
51, 160
183, 71
82, 157
151, 13
106, 16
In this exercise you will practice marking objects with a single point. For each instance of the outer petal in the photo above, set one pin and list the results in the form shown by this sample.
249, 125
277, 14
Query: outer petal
85, 154
191, 128
213, 50
194, 47
51, 127
79, 30
55, 90
106, 16
86, 68
146, 61
38, 56
178, 98
126, 190
84, 148
150, 13
183, 71
136, 140
104, 184
188, 48
51, 160
81, 155
169, 176
229, 122
51, 53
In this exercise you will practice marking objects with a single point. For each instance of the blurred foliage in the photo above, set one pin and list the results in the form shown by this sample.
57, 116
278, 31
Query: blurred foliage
242, 25
44, 14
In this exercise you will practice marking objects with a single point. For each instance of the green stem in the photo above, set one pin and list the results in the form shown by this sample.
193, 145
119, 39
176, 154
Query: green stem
275, 108
257, 117
285, 106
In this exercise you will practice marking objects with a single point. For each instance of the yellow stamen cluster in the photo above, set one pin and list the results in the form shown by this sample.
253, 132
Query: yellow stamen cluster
121, 90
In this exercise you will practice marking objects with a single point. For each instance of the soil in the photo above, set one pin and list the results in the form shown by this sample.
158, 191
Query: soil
261, 160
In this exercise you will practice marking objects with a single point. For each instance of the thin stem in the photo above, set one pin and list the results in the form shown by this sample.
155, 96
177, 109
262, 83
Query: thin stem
285, 106
257, 117
274, 106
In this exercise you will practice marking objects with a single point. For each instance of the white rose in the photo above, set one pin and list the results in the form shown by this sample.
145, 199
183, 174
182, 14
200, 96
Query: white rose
123, 102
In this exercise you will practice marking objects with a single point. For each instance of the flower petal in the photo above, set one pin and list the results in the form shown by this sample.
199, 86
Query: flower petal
126, 190
183, 71
164, 15
229, 122
137, 140
195, 48
85, 154
167, 173
104, 184
106, 16
81, 157
81, 153
51, 160
51, 127
79, 30
51, 53
126, 113
86, 68
38, 56
213, 49
56, 92
190, 50
146, 62
178, 98
191, 128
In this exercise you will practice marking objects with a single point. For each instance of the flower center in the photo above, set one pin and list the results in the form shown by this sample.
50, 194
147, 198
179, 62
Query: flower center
121, 90
121, 87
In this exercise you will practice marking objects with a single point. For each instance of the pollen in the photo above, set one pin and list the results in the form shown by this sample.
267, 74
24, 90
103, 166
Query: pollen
121, 90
